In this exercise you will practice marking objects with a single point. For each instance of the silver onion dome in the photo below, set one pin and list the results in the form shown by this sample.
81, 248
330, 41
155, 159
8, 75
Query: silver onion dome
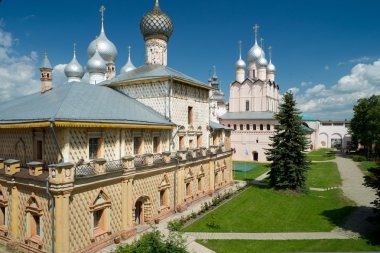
74, 69
262, 62
271, 67
106, 48
240, 64
129, 65
156, 24
96, 64
254, 53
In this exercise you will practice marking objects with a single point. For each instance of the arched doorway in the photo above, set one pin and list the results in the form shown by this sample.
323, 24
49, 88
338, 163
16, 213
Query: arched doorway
142, 210
255, 156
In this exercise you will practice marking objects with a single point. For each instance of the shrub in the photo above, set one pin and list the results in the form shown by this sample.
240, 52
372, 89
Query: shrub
193, 215
358, 158
175, 225
212, 223
155, 242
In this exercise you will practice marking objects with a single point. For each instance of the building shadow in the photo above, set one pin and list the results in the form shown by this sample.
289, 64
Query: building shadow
361, 220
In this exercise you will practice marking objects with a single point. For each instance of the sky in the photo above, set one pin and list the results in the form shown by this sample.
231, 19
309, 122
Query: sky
326, 51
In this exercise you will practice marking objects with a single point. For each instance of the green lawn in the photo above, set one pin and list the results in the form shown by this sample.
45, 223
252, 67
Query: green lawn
252, 174
253, 246
266, 210
323, 175
322, 154
366, 165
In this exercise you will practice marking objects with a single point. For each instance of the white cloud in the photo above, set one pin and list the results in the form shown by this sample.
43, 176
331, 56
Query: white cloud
305, 84
16, 72
294, 90
59, 77
356, 60
337, 101
327, 67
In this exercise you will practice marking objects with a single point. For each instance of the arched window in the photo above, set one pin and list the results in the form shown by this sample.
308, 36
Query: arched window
247, 127
200, 177
268, 127
247, 105
254, 127
241, 126
163, 192
188, 184
261, 127
34, 220
100, 209
234, 126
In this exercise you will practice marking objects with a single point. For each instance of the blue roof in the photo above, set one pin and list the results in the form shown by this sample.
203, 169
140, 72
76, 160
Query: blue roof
215, 125
151, 72
307, 117
79, 102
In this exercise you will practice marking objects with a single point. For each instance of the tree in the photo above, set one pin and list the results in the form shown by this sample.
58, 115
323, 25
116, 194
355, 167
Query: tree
373, 181
365, 124
287, 153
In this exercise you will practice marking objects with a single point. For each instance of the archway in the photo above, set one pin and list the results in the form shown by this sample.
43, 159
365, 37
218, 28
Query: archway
336, 141
142, 210
323, 140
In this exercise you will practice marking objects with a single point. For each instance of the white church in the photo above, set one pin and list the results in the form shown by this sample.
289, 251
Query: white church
253, 101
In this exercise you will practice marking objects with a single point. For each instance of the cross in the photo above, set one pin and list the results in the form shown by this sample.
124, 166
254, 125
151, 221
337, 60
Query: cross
102, 10
129, 52
270, 52
240, 48
256, 29
157, 3
214, 70
75, 49
261, 42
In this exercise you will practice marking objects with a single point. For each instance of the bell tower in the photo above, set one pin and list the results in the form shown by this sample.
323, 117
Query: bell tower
46, 74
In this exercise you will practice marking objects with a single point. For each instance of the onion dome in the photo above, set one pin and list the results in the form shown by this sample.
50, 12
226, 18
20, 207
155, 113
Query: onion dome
96, 64
129, 65
240, 64
254, 53
156, 24
106, 48
74, 69
270, 67
262, 62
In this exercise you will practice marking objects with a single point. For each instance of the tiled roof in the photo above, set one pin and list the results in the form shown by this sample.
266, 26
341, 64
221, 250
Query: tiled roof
248, 115
215, 125
79, 102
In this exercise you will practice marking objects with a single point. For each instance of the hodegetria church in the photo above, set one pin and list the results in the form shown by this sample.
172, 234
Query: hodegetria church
83, 163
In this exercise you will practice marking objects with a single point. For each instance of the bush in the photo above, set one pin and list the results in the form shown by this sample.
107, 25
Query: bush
155, 242
358, 158
175, 225
212, 222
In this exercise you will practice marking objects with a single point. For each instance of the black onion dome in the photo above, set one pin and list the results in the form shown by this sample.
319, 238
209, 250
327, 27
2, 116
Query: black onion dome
156, 24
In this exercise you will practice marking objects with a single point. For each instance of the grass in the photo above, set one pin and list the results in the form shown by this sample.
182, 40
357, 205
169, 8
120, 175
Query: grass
322, 154
252, 174
323, 175
366, 165
253, 246
266, 210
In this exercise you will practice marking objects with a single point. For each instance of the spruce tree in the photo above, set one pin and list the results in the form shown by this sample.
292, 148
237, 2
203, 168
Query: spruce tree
287, 153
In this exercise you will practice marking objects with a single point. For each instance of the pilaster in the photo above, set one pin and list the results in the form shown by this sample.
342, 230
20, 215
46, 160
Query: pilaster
15, 205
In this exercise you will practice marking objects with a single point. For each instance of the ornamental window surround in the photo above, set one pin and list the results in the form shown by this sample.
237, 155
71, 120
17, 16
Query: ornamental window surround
38, 146
156, 144
137, 145
34, 221
100, 211
200, 178
188, 184
3, 209
95, 144
163, 192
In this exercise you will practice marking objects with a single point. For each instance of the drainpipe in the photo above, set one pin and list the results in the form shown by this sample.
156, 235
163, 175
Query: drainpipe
175, 186
51, 214
55, 140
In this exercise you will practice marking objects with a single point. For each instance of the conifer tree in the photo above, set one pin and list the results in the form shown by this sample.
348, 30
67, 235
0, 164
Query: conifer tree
287, 153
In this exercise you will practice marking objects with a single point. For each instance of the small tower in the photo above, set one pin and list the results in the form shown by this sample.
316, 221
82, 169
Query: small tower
156, 27
129, 65
240, 67
215, 81
46, 74
271, 69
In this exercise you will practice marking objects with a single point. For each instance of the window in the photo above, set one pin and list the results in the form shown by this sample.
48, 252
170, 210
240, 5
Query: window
188, 189
247, 126
137, 145
100, 209
234, 126
156, 144
254, 127
94, 148
241, 126
268, 127
164, 197
164, 192
34, 223
190, 115
200, 188
34, 218
199, 141
181, 142
191, 144
247, 105
39, 150
229, 125
261, 127
2, 216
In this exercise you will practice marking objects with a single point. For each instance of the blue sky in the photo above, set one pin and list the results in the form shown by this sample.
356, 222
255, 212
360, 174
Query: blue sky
327, 51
